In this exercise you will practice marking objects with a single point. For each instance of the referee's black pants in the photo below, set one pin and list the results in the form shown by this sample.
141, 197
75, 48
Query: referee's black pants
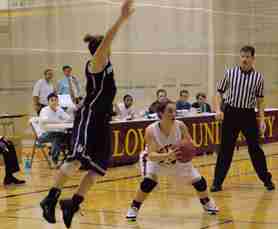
236, 120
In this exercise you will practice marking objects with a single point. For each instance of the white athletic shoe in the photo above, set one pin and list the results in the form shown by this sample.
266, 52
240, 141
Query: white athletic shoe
132, 213
210, 207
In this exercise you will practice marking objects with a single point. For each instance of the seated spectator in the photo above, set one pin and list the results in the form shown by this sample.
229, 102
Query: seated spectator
182, 103
124, 110
8, 151
201, 103
42, 89
70, 85
160, 95
49, 115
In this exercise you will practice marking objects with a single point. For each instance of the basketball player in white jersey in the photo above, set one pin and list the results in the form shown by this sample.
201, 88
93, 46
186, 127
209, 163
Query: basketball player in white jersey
159, 157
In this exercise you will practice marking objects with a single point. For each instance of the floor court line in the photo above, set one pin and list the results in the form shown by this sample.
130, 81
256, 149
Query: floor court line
223, 221
228, 221
66, 187
81, 223
219, 195
192, 220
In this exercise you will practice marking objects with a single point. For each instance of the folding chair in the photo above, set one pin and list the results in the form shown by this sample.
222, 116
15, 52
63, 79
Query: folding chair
34, 123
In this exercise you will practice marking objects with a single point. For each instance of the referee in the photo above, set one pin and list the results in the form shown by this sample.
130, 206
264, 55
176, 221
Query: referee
244, 89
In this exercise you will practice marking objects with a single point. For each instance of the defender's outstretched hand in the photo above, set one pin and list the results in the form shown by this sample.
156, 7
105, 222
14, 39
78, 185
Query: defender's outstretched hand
127, 9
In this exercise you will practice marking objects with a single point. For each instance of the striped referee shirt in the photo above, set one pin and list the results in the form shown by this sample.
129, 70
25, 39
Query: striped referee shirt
241, 88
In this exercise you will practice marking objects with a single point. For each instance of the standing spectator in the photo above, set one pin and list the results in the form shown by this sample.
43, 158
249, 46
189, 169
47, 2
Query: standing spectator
161, 94
124, 110
42, 89
70, 85
201, 103
182, 103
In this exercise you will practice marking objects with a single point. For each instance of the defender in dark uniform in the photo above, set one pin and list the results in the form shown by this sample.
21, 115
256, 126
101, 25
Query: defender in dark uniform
91, 134
91, 143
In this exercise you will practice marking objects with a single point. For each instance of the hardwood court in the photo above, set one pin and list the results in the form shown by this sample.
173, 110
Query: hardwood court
244, 203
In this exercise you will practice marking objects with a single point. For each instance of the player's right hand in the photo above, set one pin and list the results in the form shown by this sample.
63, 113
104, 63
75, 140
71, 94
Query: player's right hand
171, 155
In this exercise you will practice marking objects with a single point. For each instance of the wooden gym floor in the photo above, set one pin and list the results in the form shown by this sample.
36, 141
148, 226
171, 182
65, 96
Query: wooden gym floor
244, 203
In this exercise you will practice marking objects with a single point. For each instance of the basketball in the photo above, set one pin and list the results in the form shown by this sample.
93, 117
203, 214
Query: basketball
185, 150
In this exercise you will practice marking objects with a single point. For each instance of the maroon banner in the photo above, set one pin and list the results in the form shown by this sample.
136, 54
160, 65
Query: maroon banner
128, 137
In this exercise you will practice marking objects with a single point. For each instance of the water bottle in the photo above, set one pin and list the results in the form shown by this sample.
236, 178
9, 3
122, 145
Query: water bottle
204, 109
146, 115
27, 164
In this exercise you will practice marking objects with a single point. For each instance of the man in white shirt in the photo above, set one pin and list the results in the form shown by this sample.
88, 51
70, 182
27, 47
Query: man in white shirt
42, 89
124, 110
50, 115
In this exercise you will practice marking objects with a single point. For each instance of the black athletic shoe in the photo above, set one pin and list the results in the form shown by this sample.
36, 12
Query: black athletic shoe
215, 188
269, 185
48, 206
68, 210
13, 180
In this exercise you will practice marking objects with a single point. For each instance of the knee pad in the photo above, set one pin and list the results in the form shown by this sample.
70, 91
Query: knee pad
200, 185
147, 185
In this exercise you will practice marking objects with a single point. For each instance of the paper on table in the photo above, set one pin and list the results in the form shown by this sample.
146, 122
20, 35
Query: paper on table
65, 101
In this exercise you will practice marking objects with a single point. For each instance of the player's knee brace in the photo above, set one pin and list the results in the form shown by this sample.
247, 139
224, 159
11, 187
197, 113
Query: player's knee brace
200, 185
147, 185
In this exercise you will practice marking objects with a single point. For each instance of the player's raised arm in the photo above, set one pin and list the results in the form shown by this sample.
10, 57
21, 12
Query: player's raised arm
103, 51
